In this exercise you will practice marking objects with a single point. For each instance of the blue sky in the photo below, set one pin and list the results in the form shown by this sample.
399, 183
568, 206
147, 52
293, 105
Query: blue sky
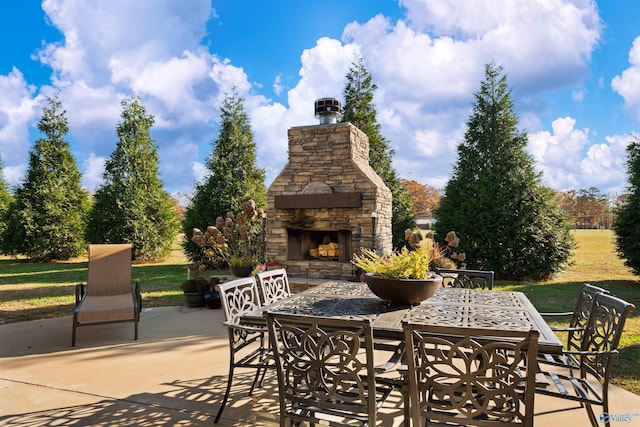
573, 65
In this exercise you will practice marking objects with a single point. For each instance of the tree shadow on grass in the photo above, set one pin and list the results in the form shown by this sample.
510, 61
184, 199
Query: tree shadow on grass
562, 296
18, 271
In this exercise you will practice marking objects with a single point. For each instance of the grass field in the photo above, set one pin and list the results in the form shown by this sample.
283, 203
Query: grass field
37, 291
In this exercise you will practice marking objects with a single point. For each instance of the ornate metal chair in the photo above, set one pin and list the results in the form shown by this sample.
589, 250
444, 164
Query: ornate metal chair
598, 350
274, 285
325, 370
247, 344
470, 376
110, 296
471, 279
575, 330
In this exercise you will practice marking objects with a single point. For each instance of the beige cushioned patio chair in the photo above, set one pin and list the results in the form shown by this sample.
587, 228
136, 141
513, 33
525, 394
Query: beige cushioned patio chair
109, 296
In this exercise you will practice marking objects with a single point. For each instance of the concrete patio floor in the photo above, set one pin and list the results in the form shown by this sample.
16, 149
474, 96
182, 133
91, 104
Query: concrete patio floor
173, 375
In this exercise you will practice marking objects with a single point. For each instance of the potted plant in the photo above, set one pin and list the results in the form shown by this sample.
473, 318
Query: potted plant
212, 296
402, 277
194, 291
237, 239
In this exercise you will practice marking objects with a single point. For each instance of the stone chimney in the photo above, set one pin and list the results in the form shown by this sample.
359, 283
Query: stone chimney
327, 203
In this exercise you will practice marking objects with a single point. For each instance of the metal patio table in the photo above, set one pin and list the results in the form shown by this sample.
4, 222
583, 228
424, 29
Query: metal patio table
449, 306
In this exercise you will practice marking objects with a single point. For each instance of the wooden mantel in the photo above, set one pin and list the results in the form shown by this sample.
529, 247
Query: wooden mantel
319, 201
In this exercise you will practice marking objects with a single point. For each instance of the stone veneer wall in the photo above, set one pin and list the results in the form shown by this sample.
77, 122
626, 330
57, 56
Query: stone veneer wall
334, 156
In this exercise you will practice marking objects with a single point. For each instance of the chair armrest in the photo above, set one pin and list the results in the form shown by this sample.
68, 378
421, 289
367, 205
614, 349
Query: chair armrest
590, 352
79, 293
393, 361
244, 327
560, 329
137, 295
557, 314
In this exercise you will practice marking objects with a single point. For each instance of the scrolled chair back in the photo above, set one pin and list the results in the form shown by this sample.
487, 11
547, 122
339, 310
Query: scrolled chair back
602, 335
471, 376
274, 285
325, 366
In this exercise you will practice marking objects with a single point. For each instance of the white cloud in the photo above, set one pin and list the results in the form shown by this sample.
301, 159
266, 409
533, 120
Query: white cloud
578, 95
93, 170
115, 49
18, 108
270, 124
180, 155
558, 154
411, 66
628, 84
278, 87
560, 157
96, 32
605, 166
427, 68
511, 33
171, 81
322, 74
200, 171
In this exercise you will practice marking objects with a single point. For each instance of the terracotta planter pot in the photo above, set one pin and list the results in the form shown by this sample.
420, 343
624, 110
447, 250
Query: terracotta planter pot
403, 291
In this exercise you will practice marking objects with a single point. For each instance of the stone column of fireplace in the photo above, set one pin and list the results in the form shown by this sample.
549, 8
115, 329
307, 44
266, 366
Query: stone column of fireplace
329, 186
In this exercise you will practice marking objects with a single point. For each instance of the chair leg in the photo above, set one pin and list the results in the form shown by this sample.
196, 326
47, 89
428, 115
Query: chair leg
592, 416
406, 402
136, 327
258, 379
73, 334
226, 393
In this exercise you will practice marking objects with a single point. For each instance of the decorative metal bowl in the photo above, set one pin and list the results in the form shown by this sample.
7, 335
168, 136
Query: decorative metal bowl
403, 291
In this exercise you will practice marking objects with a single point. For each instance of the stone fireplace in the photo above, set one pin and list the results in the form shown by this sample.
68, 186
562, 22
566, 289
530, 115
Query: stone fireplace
327, 203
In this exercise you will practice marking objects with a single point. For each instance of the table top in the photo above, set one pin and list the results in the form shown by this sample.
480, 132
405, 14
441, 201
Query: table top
449, 306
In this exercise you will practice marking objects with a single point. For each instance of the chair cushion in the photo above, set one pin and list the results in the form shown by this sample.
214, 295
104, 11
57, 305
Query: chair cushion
109, 269
106, 308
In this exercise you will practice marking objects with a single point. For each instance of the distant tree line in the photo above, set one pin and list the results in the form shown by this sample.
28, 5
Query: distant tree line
586, 208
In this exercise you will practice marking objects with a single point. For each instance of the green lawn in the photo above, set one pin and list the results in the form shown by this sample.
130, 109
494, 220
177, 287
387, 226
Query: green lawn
36, 291
595, 261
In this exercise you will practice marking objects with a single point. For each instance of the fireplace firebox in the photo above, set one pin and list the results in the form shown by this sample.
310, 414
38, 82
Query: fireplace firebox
319, 245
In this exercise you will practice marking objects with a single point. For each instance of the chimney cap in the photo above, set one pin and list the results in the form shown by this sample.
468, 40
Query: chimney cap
327, 110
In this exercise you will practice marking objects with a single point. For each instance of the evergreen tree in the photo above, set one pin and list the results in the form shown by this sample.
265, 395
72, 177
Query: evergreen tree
47, 220
360, 111
5, 203
233, 176
131, 206
627, 222
506, 220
